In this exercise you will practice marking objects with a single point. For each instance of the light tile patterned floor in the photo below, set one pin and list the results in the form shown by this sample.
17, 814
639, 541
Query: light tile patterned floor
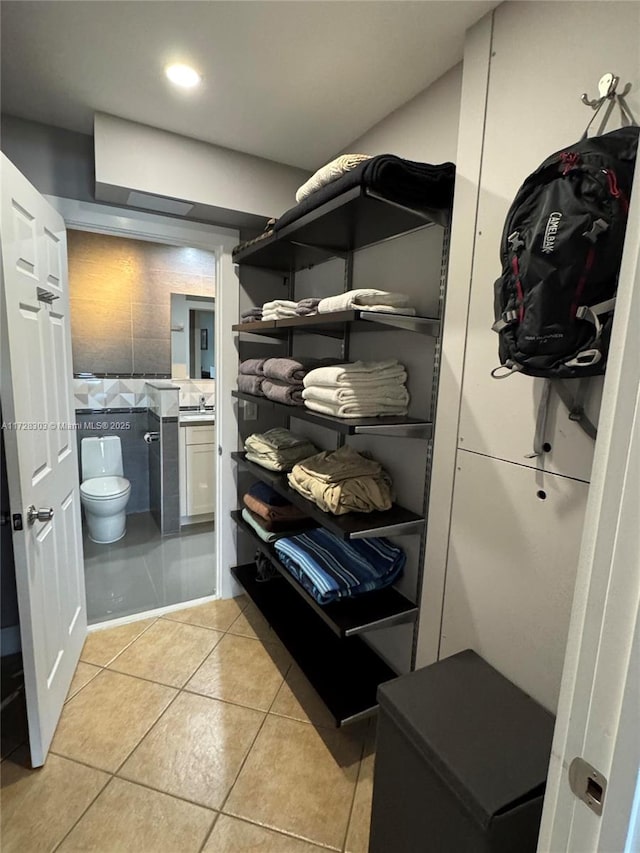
192, 732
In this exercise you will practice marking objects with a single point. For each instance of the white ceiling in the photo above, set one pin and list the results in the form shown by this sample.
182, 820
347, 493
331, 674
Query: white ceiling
290, 81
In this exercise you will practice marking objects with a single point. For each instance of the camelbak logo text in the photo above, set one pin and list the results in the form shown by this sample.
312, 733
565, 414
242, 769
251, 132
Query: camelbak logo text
550, 232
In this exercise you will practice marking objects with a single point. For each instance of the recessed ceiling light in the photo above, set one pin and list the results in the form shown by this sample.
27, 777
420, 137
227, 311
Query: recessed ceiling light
183, 75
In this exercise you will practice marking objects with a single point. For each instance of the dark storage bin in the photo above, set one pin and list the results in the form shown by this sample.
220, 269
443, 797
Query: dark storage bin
461, 762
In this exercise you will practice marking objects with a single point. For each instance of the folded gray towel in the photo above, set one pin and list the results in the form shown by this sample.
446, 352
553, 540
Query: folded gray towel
292, 369
283, 392
249, 384
307, 306
251, 315
253, 366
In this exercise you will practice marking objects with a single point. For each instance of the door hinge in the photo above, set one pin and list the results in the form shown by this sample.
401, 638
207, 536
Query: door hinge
45, 295
588, 784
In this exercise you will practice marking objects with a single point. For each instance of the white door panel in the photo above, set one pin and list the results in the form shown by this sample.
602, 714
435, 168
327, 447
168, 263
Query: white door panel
41, 450
511, 570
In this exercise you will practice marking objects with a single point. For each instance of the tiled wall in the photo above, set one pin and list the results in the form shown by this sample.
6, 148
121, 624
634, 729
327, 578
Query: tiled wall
120, 293
98, 393
164, 490
110, 393
164, 495
192, 389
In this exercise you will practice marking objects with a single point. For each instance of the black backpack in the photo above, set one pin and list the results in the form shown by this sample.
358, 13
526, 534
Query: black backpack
561, 251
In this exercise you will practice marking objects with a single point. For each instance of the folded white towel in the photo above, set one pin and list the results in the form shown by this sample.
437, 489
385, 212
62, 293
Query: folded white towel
355, 410
356, 372
279, 314
386, 394
367, 299
279, 303
331, 172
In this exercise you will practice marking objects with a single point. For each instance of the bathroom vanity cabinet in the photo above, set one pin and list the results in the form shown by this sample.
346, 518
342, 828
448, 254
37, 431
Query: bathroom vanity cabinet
197, 470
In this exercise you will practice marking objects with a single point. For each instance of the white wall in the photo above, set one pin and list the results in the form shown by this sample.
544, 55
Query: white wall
131, 156
512, 555
425, 128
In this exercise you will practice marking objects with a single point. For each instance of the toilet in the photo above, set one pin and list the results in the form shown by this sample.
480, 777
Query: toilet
104, 492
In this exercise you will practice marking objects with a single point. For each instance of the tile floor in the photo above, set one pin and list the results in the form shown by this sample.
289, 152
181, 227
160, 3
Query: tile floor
145, 570
192, 732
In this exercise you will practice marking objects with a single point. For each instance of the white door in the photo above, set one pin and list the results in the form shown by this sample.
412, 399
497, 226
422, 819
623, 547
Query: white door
599, 709
41, 450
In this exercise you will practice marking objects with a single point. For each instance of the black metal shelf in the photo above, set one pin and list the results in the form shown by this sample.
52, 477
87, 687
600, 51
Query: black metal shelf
353, 220
344, 672
398, 427
378, 609
332, 325
396, 521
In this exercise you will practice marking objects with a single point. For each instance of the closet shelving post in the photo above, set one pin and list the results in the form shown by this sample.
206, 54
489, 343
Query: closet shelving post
327, 642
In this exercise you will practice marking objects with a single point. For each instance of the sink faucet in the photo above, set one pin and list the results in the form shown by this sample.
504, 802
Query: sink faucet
203, 408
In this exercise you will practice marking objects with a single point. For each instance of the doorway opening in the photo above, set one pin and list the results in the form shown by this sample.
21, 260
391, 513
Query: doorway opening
143, 335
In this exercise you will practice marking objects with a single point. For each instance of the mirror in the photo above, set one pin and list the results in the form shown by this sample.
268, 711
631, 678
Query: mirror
192, 336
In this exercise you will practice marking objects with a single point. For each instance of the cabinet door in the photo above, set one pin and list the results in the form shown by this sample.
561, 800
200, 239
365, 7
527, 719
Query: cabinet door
200, 478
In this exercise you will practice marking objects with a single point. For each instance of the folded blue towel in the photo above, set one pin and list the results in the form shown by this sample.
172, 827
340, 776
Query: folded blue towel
267, 495
330, 568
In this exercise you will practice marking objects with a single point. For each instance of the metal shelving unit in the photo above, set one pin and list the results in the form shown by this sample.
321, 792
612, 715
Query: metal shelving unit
345, 672
396, 521
332, 325
351, 616
398, 427
328, 641
357, 218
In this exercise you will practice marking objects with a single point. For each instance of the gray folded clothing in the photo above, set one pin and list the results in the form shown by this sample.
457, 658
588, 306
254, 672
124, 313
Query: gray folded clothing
252, 315
252, 384
291, 370
283, 392
307, 306
253, 366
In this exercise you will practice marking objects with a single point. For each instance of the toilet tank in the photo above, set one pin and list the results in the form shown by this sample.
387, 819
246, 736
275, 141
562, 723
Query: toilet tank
101, 457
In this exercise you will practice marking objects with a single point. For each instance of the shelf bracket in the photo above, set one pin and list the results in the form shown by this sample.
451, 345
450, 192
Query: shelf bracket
324, 250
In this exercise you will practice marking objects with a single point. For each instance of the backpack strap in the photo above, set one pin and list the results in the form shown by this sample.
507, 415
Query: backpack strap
541, 421
591, 313
504, 371
575, 405
507, 318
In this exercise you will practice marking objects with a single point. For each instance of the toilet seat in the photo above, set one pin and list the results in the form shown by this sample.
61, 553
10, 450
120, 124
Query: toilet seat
104, 488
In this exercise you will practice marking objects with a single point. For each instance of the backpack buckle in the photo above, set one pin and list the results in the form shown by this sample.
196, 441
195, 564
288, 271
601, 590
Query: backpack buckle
506, 319
586, 358
514, 241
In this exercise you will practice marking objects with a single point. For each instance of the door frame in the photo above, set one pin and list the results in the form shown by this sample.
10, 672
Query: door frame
124, 222
600, 691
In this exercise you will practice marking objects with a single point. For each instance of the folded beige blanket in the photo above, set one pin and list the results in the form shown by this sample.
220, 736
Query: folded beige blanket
330, 172
334, 466
277, 449
342, 481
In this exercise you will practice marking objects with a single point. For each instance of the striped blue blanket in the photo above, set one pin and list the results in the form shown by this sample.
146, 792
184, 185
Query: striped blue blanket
330, 568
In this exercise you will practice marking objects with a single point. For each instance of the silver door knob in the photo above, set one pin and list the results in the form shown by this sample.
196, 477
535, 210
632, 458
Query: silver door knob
34, 514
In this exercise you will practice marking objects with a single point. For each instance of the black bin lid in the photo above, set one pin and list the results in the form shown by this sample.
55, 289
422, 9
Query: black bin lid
485, 738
